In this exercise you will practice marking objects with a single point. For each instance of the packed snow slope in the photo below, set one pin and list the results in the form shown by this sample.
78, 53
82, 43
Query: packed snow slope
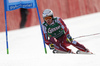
26, 45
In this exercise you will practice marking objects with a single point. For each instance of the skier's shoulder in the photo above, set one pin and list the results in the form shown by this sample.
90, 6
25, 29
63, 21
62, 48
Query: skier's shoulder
56, 18
44, 24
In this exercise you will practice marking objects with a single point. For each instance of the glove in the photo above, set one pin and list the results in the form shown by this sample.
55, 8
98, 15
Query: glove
69, 38
51, 46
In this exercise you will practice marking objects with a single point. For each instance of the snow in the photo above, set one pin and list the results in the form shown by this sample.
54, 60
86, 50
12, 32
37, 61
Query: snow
26, 45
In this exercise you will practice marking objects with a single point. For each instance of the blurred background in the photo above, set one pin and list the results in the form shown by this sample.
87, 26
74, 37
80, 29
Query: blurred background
62, 8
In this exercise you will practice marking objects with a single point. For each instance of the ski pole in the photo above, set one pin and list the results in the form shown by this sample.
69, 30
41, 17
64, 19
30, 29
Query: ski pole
86, 35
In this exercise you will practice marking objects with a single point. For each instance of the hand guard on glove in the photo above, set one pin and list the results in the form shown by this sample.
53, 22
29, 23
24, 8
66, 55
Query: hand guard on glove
69, 38
51, 46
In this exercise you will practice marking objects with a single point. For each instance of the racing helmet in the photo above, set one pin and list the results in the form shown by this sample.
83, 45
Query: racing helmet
47, 13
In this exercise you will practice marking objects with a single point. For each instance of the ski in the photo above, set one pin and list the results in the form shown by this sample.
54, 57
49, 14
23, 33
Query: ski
77, 52
81, 52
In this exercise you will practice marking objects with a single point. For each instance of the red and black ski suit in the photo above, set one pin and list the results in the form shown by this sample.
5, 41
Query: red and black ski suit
61, 43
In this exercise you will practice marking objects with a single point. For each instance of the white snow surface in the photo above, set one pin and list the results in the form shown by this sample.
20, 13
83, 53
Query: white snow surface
26, 45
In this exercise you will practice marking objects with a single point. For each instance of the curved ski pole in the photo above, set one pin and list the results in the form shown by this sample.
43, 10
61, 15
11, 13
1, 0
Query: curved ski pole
86, 35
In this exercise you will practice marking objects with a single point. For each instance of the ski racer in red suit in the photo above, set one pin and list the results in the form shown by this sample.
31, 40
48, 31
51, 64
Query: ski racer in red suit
56, 34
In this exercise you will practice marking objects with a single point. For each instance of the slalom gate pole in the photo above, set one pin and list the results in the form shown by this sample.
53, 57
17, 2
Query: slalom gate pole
6, 27
41, 30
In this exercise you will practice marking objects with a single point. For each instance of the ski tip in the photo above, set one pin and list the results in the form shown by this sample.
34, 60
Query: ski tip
91, 53
81, 52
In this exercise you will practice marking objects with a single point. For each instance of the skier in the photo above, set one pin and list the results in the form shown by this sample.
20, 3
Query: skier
56, 34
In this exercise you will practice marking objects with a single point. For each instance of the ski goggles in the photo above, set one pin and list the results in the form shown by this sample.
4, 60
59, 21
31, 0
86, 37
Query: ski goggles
46, 18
